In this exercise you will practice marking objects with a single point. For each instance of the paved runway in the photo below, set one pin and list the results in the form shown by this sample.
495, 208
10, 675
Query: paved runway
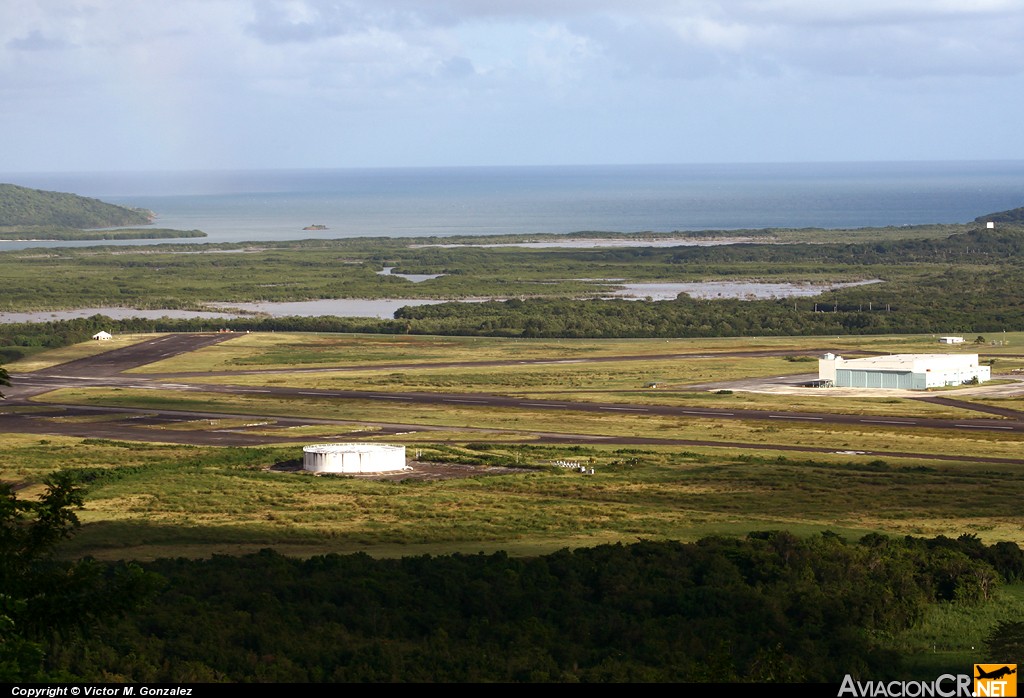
116, 361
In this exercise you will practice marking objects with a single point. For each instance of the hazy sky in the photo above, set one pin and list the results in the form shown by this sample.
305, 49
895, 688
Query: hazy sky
223, 84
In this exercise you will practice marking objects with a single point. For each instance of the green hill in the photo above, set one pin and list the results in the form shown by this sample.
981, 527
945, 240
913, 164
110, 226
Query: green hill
21, 206
1014, 215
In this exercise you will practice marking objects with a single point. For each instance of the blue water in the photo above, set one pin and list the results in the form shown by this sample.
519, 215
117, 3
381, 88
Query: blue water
275, 205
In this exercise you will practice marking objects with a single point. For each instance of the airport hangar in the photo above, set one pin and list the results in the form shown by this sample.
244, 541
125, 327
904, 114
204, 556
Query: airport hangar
902, 371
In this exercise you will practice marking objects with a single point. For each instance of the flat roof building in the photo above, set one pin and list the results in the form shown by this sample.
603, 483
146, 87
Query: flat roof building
951, 340
902, 371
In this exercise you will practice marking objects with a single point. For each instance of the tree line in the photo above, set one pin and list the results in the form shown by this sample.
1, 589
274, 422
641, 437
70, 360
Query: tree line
767, 607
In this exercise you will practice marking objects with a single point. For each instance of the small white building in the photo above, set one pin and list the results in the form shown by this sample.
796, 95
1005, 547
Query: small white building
902, 371
951, 340
353, 458
103, 335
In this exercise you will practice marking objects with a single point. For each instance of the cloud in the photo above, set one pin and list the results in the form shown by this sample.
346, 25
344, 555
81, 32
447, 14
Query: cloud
872, 12
456, 67
285, 22
36, 41
197, 80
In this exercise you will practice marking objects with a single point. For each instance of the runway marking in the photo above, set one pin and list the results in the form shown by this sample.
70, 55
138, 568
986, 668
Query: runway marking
713, 414
783, 416
980, 426
475, 402
885, 421
624, 409
390, 397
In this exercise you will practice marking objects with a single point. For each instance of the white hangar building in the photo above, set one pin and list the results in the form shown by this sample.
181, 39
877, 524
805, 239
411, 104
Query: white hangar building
904, 371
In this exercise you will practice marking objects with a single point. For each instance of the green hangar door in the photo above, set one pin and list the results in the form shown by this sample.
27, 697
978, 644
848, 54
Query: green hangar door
850, 378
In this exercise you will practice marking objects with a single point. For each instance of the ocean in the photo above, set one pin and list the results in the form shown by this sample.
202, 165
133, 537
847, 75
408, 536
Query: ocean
236, 206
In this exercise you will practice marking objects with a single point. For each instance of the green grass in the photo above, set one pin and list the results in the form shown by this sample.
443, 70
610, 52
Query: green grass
147, 501
53, 357
283, 350
951, 637
618, 375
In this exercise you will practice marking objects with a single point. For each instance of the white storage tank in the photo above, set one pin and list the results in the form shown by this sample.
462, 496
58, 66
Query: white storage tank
353, 458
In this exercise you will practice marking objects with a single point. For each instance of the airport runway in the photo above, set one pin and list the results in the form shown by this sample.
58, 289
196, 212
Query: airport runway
1014, 422
519, 362
115, 361
144, 425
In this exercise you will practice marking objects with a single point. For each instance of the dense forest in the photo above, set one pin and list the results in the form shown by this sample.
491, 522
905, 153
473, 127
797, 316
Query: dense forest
767, 607
21, 206
47, 233
1014, 215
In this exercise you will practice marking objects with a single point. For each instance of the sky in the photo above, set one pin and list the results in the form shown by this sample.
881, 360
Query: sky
133, 85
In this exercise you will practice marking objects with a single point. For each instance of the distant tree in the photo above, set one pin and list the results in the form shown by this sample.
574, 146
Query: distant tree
5, 379
1006, 642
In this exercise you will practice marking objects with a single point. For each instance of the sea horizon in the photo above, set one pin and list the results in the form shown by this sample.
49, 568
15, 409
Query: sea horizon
276, 204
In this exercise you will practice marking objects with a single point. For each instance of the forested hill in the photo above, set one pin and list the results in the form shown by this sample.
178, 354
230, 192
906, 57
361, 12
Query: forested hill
1014, 215
21, 206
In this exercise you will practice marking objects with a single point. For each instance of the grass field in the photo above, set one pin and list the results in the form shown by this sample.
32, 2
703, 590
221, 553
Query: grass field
950, 637
622, 382
150, 500
267, 351
53, 357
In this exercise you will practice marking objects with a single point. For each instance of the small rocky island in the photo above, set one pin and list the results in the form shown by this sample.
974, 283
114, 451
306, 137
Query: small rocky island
316, 226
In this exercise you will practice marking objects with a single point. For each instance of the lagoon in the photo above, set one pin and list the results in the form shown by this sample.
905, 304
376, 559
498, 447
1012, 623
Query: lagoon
385, 308
415, 278
744, 290
342, 307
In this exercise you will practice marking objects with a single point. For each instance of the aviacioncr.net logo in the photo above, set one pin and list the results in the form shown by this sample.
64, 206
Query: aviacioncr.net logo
995, 680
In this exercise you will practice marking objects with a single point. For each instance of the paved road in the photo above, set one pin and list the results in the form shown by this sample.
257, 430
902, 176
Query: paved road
105, 370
